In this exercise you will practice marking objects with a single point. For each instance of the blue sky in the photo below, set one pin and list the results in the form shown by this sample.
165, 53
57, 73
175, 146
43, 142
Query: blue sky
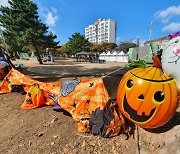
65, 17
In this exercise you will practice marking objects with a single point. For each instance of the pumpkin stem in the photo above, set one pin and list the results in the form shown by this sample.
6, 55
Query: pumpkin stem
156, 62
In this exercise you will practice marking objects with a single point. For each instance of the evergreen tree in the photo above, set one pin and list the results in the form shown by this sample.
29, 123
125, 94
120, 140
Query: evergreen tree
78, 43
23, 26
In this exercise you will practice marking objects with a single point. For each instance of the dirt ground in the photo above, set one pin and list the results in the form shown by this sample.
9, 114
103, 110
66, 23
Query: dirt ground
45, 131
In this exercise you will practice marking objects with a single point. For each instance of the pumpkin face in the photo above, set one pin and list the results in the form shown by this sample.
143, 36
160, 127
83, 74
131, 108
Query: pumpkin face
147, 97
34, 97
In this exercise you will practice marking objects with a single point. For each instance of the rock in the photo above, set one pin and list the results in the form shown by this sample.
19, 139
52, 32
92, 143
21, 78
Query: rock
52, 143
30, 143
40, 134
83, 144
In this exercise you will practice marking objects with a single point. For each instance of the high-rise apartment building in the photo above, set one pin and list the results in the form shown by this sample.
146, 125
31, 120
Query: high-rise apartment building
101, 31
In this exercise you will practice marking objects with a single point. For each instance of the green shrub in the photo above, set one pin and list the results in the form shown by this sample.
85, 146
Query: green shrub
139, 64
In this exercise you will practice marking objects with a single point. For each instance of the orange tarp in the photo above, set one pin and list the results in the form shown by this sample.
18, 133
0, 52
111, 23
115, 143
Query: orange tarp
84, 97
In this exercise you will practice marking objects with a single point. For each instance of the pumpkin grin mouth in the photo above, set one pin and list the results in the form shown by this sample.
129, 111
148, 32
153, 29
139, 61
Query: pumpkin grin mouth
133, 113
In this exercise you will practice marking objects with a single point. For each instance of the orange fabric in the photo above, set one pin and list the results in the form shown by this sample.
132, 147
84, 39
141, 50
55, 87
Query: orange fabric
16, 78
116, 124
34, 97
88, 95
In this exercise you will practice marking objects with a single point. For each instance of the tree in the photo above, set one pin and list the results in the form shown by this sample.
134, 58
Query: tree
62, 49
108, 46
95, 47
24, 28
78, 43
124, 46
103, 47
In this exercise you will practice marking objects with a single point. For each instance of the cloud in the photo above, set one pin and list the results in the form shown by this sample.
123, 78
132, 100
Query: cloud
170, 12
166, 20
50, 19
54, 10
49, 15
4, 3
172, 27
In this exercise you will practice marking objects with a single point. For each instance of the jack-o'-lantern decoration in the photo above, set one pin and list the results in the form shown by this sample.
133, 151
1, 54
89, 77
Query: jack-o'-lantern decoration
34, 97
147, 96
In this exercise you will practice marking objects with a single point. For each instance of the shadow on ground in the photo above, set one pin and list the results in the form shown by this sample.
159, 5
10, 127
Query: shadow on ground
111, 82
174, 121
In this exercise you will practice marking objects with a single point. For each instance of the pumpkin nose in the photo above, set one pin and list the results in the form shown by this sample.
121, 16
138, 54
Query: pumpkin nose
141, 96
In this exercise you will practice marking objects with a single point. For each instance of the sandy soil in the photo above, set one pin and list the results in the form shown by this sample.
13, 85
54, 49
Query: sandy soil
45, 131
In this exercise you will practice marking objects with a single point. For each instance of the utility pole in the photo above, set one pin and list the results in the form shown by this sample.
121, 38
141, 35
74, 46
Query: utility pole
150, 26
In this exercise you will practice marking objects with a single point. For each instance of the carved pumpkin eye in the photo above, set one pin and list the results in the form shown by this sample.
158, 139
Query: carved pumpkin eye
129, 83
158, 97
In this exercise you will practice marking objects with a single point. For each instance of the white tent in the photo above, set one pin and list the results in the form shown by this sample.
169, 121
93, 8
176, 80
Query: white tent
120, 56
102, 56
107, 57
126, 58
113, 56
116, 56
